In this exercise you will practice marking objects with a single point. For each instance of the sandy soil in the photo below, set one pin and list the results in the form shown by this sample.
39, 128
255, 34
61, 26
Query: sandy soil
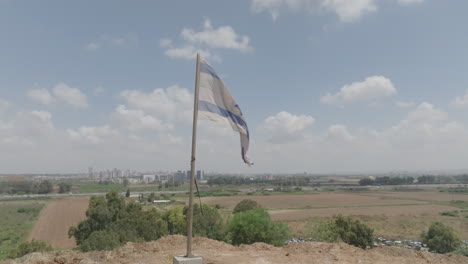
215, 252
57, 218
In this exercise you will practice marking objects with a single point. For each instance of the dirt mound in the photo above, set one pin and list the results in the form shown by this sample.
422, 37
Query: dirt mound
215, 252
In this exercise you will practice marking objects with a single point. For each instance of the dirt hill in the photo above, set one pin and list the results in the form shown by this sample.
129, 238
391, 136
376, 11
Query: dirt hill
162, 251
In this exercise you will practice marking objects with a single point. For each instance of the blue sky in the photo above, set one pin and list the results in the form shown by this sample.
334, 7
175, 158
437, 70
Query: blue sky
325, 85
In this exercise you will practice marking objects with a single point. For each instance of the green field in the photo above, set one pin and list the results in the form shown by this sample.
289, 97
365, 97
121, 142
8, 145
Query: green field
16, 221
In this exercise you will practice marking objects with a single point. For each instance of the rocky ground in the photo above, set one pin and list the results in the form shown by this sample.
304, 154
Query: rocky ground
163, 250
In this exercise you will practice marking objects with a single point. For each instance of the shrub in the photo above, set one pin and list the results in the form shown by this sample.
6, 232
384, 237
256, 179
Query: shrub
345, 229
256, 226
453, 213
441, 238
462, 250
246, 205
29, 247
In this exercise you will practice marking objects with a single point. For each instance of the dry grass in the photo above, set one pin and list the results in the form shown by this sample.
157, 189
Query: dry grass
309, 201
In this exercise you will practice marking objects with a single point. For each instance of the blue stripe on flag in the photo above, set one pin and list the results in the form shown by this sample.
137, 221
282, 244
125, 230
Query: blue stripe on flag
210, 107
204, 67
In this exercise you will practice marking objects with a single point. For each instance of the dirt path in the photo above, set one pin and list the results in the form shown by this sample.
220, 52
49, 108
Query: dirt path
215, 252
56, 219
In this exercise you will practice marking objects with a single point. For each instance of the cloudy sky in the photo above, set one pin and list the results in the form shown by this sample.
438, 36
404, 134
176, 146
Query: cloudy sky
325, 85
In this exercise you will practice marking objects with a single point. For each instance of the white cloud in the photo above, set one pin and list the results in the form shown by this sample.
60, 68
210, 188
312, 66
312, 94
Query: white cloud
339, 132
371, 88
44, 116
206, 42
98, 90
404, 104
410, 2
286, 127
347, 10
111, 41
43, 96
138, 120
92, 46
350, 10
461, 101
173, 103
93, 135
4, 105
70, 95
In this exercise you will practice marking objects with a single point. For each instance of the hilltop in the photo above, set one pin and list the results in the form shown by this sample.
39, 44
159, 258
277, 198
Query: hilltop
216, 252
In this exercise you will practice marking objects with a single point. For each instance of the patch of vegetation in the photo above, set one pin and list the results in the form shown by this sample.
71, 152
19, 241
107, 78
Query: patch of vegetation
345, 229
441, 238
219, 193
453, 213
16, 221
256, 226
111, 218
29, 247
246, 205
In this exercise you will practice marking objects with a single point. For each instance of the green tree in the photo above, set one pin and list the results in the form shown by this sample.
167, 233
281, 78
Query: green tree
345, 229
151, 197
125, 182
176, 221
246, 205
45, 187
256, 226
110, 219
209, 224
29, 247
127, 194
100, 240
441, 238
64, 187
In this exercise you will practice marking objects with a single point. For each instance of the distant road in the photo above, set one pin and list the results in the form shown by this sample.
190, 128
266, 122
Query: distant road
308, 188
6, 197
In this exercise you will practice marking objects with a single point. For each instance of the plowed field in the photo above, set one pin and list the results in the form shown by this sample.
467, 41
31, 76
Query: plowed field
56, 219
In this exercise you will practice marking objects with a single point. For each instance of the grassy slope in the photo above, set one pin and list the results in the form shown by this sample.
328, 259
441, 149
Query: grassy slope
16, 221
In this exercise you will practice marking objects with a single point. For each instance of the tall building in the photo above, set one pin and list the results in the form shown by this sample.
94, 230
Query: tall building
200, 175
90, 172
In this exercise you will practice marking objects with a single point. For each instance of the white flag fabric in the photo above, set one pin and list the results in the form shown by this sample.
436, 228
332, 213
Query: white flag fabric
216, 103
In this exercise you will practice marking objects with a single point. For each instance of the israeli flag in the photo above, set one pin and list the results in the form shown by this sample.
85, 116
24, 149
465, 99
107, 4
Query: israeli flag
217, 104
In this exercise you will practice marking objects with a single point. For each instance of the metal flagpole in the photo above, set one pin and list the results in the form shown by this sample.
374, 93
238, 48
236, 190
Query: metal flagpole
192, 161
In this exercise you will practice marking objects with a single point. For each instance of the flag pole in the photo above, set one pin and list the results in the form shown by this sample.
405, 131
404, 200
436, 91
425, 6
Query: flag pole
192, 161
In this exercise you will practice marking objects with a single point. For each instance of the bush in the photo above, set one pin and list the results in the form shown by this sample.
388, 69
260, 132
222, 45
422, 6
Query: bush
441, 238
100, 240
29, 247
345, 229
453, 213
462, 250
246, 205
256, 226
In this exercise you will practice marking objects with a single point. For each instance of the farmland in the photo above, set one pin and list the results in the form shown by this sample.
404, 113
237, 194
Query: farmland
395, 213
392, 212
57, 218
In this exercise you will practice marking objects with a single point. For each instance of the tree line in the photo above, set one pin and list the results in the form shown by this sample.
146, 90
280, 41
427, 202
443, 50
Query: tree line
33, 187
423, 179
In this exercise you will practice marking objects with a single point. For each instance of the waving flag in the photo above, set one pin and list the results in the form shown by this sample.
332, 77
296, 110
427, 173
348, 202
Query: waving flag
217, 104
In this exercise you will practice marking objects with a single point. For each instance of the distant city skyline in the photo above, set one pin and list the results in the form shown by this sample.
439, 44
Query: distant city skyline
325, 86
